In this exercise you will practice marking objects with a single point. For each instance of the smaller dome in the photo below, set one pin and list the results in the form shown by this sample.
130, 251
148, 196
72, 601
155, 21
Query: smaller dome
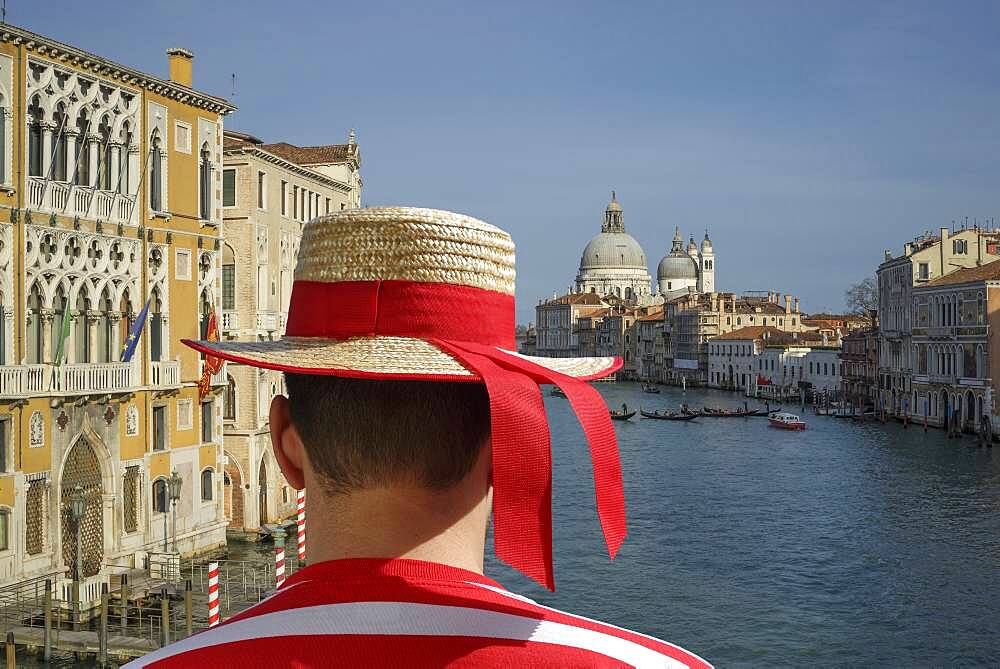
675, 267
692, 247
706, 244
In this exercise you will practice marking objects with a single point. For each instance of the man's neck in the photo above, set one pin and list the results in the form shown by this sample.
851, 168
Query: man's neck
446, 527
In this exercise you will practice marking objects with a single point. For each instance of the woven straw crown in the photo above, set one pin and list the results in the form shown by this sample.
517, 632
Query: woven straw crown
406, 243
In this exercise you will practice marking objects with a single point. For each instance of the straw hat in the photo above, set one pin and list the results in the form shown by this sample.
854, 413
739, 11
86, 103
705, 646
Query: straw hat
402, 244
422, 294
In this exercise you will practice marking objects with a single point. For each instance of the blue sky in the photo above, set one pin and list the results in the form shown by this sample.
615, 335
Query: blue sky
806, 137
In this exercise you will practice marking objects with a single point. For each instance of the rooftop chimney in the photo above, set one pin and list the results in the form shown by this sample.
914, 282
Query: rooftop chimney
788, 304
796, 307
888, 255
180, 66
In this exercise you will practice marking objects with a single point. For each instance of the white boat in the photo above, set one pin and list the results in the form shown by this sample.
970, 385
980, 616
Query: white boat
786, 421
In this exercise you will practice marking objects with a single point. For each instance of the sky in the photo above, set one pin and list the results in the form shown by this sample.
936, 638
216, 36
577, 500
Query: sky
807, 138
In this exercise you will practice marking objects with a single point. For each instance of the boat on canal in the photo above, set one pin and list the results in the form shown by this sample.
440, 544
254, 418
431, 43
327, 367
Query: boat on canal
786, 421
621, 415
650, 388
731, 413
668, 415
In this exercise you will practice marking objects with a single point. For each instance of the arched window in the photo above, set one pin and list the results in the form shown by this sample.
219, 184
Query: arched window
155, 175
123, 160
160, 495
229, 407
35, 118
34, 332
124, 324
104, 158
156, 326
205, 182
206, 485
58, 168
81, 170
105, 328
59, 308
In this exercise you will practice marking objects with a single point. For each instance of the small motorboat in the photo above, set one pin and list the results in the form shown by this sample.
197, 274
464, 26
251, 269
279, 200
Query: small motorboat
557, 392
667, 415
650, 388
786, 421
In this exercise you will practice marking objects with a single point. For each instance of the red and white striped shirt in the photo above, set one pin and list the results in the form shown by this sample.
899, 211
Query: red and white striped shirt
408, 613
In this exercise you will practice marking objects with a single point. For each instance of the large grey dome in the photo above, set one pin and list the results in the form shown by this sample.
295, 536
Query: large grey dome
613, 249
674, 267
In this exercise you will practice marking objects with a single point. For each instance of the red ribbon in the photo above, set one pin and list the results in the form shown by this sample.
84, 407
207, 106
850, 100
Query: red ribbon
470, 324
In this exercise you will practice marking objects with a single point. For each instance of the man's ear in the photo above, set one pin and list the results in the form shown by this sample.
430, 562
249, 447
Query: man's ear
288, 448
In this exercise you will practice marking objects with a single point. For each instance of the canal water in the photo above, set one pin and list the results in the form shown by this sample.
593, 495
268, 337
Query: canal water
848, 544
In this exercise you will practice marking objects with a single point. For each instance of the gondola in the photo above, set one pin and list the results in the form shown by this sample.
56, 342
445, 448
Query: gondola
666, 415
738, 413
616, 415
557, 392
650, 388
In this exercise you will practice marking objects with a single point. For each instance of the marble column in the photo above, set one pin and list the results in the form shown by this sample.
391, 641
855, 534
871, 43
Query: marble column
47, 128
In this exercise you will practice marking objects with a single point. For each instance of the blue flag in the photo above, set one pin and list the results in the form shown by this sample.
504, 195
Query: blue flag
133, 335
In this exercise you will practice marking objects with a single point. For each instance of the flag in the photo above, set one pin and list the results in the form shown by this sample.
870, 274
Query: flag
63, 336
212, 364
133, 336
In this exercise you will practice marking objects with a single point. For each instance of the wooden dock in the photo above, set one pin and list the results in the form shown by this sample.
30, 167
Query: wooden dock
83, 642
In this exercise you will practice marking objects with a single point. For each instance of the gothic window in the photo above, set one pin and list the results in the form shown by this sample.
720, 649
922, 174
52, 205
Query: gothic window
156, 327
130, 498
123, 160
35, 119
206, 485
81, 334
156, 175
229, 406
34, 332
105, 328
58, 168
81, 169
205, 183
59, 308
34, 518
104, 155
160, 496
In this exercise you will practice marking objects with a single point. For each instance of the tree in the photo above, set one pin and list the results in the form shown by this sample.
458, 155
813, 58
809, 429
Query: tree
862, 299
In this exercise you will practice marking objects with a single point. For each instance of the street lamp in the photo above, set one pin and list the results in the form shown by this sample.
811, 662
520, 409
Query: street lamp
77, 509
175, 494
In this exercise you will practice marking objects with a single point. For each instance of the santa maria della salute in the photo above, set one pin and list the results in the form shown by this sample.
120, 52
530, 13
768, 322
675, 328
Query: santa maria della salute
613, 264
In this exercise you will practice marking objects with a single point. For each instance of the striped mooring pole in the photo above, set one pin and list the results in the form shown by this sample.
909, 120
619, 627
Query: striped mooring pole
213, 594
279, 557
302, 525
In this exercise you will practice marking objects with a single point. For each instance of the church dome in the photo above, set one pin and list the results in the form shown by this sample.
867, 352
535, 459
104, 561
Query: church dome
674, 267
613, 250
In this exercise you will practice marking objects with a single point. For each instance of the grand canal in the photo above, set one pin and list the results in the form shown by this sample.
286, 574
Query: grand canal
846, 545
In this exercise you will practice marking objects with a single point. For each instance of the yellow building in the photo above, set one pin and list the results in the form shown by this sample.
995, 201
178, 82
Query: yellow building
110, 185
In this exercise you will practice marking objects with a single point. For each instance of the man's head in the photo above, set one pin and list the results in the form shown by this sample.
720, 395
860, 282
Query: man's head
360, 434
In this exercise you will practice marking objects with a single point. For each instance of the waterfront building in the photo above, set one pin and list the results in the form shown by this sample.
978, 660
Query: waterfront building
924, 259
557, 320
858, 366
269, 191
732, 357
796, 367
613, 262
648, 340
110, 182
952, 349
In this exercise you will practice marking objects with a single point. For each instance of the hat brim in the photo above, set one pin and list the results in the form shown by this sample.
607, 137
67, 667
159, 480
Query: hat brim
398, 358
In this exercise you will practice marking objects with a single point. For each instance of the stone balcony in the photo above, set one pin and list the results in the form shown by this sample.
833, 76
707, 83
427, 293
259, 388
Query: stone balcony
230, 321
66, 199
78, 379
268, 321
165, 374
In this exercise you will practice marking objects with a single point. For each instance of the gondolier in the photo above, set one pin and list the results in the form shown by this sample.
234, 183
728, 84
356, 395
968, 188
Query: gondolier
412, 422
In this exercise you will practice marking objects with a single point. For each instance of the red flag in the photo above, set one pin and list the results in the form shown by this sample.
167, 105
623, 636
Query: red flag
213, 365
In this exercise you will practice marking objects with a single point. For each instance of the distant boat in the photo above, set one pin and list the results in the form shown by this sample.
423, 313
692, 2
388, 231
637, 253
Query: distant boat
650, 388
786, 421
667, 415
557, 392
618, 415
732, 413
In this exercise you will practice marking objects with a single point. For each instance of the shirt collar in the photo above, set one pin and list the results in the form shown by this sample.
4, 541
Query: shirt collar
375, 568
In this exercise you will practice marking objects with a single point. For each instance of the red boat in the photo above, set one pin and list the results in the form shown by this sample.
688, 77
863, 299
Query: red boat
786, 421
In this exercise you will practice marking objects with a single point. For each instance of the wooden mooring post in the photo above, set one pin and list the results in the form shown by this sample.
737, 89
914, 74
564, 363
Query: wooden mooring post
47, 618
11, 651
188, 607
124, 602
164, 617
102, 634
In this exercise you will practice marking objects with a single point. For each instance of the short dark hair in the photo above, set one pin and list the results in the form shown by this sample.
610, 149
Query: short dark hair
361, 433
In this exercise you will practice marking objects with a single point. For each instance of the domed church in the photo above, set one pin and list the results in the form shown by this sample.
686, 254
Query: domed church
613, 263
690, 271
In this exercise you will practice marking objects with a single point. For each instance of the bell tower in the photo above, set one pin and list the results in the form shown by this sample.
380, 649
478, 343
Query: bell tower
706, 266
